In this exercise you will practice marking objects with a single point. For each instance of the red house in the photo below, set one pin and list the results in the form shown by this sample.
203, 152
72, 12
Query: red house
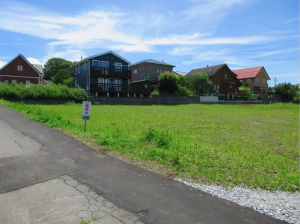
19, 70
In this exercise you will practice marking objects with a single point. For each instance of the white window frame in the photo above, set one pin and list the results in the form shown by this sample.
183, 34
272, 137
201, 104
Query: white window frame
248, 80
27, 82
214, 87
14, 81
264, 81
20, 68
134, 71
6, 81
105, 62
96, 60
118, 64
226, 76
257, 80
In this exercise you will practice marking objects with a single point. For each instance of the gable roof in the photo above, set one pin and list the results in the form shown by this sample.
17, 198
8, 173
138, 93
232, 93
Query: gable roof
151, 61
180, 73
20, 55
209, 70
38, 67
97, 55
248, 73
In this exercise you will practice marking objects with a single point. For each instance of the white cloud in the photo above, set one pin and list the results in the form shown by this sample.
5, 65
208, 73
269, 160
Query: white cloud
113, 29
2, 63
34, 61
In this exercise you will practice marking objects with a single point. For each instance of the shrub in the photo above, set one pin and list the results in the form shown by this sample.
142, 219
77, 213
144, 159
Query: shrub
167, 83
182, 91
32, 91
199, 82
155, 93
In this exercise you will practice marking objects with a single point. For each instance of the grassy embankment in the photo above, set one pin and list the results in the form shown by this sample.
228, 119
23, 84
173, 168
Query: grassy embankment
250, 145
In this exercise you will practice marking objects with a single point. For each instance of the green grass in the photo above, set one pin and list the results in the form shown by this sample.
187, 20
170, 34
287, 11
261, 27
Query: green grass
249, 145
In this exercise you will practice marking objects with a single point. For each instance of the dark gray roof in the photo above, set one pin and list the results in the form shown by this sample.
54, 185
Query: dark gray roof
151, 61
180, 73
210, 70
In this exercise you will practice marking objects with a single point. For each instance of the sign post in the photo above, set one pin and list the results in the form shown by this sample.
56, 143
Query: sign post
86, 112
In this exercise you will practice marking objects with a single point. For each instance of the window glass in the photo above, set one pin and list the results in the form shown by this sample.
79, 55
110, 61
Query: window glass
264, 81
14, 81
104, 64
158, 70
27, 82
146, 86
118, 66
215, 87
20, 68
6, 81
225, 76
96, 63
218, 87
257, 80
248, 80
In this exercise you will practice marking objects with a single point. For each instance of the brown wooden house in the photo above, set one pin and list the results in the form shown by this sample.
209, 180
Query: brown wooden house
225, 82
19, 70
256, 78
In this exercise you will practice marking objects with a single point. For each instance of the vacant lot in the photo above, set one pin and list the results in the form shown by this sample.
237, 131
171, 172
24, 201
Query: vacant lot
227, 145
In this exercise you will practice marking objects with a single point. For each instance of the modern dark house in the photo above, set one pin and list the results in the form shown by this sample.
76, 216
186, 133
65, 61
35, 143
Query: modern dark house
19, 69
103, 74
225, 82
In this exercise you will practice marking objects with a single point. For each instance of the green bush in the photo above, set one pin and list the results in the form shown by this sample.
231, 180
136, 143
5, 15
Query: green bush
155, 93
32, 91
167, 83
182, 91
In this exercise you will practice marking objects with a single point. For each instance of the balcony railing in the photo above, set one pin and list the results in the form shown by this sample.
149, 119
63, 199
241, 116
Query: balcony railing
119, 88
110, 73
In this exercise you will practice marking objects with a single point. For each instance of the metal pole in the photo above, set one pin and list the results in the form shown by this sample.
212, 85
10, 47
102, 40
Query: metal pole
84, 125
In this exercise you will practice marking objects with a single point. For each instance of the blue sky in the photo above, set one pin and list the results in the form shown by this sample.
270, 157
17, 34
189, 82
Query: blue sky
188, 34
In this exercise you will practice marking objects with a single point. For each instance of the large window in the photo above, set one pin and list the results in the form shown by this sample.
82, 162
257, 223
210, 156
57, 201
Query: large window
104, 64
96, 63
20, 67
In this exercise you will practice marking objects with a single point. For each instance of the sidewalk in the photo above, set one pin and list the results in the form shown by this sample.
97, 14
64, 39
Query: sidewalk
140, 194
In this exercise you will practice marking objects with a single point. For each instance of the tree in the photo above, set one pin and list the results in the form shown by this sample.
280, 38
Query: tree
53, 65
199, 82
286, 91
167, 83
63, 76
182, 81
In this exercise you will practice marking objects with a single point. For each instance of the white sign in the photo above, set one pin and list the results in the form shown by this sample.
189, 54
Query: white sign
86, 110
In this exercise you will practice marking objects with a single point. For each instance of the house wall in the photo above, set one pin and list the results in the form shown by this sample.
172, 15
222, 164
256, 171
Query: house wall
226, 86
148, 69
10, 72
82, 76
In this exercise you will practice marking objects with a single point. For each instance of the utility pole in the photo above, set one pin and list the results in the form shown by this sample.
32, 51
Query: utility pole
275, 81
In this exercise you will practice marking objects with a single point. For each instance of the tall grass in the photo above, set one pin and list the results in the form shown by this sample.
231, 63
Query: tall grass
32, 91
254, 145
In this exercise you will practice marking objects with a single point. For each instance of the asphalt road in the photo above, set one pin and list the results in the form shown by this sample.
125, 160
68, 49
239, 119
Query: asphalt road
154, 198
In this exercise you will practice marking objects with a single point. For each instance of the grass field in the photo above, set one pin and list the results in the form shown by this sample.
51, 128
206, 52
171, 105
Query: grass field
249, 145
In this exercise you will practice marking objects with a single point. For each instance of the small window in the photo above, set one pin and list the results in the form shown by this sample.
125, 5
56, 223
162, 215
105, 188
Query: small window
118, 66
226, 76
95, 63
20, 68
264, 81
218, 87
27, 82
146, 77
159, 71
257, 80
134, 72
248, 80
14, 81
104, 64
146, 86
210, 70
6, 81
214, 87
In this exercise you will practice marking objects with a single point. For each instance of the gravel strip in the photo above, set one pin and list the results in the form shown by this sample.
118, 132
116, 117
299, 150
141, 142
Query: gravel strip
278, 204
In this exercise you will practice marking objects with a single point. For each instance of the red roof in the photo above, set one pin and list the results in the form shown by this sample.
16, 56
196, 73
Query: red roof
248, 73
